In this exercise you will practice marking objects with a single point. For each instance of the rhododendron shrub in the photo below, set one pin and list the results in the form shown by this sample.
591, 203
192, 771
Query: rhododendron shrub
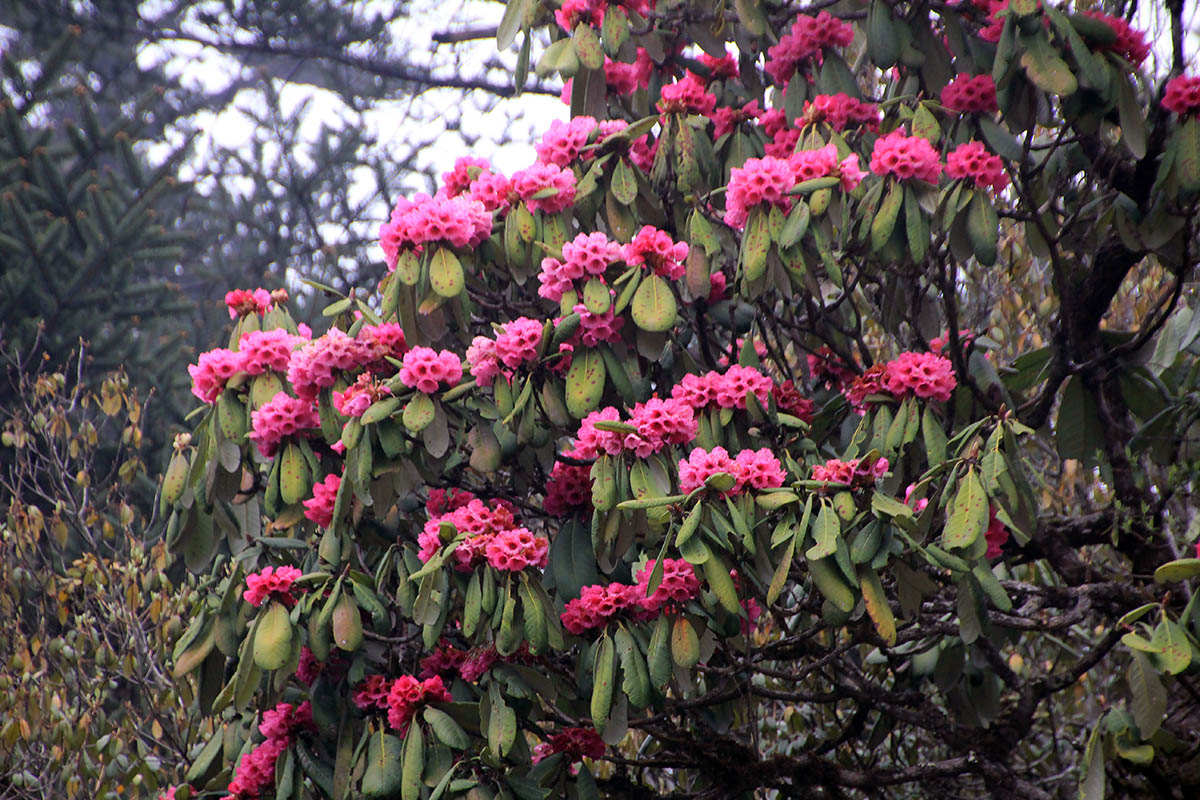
699, 457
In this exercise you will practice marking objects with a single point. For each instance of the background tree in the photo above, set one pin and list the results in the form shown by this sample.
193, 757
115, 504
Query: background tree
776, 481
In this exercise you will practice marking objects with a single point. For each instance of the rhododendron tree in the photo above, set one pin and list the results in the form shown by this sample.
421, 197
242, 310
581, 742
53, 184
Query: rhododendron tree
803, 421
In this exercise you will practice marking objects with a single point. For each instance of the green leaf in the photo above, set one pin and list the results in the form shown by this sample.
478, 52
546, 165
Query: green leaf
796, 224
1179, 570
347, 624
756, 243
983, 229
877, 605
781, 571
719, 580
1148, 701
419, 412
511, 22
685, 645
658, 653
1175, 654
968, 514
1046, 69
273, 638
585, 382
829, 582
624, 182
597, 297
382, 777
885, 218
448, 732
412, 764
603, 669
925, 124
1187, 155
883, 41
587, 46
446, 273
826, 531
1091, 784
653, 305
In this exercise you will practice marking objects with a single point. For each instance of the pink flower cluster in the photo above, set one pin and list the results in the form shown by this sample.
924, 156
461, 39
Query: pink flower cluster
659, 423
278, 418
825, 365
359, 396
400, 697
991, 32
564, 141
823, 162
515, 549
575, 743
492, 535
926, 375
267, 351
727, 118
212, 371
442, 501
1130, 43
789, 400
243, 302
558, 185
255, 771
871, 382
273, 583
806, 41
319, 507
972, 94
597, 604
722, 68
906, 157
760, 181
856, 473
516, 344
460, 221
568, 487
625, 79
656, 250
971, 160
588, 254
725, 390
1182, 95
475, 178
996, 535
687, 96
840, 111
424, 369
318, 364
751, 469
574, 12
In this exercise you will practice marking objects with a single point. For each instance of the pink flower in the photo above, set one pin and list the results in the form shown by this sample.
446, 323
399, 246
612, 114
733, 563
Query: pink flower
1130, 43
319, 507
574, 12
825, 365
407, 694
284, 719
737, 382
466, 170
267, 351
687, 96
655, 249
856, 473
359, 396
700, 465
596, 329
679, 583
577, 743
425, 368
559, 184
937, 343
1182, 95
919, 505
590, 254
906, 157
213, 371
971, 93
255, 771
663, 422
757, 469
972, 160
759, 181
805, 42
243, 302
926, 375
273, 583
642, 152
568, 488
483, 361
625, 79
721, 68
789, 400
597, 604
460, 221
278, 418
872, 381
514, 550
840, 110
518, 343
318, 364
564, 141
996, 535
381, 342
591, 442
493, 190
